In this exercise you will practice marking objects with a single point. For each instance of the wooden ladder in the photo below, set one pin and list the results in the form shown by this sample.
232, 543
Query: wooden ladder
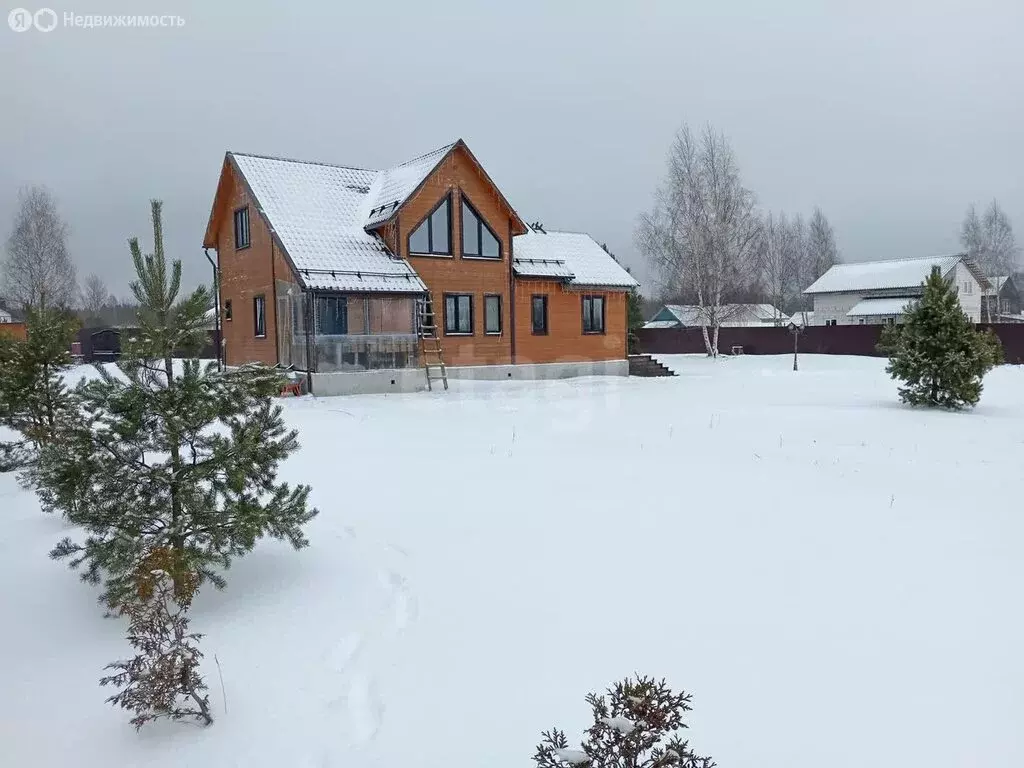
430, 342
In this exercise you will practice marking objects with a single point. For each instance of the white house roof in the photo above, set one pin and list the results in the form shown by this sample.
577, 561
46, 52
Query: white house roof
880, 275
876, 307
396, 184
555, 269
802, 318
661, 324
5, 316
318, 212
537, 254
691, 315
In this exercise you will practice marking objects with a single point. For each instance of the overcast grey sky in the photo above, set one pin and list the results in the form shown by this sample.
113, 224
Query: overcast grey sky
892, 116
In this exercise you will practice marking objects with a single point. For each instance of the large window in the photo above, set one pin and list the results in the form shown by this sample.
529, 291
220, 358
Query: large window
593, 314
477, 238
331, 315
539, 314
492, 314
458, 313
434, 234
259, 316
242, 228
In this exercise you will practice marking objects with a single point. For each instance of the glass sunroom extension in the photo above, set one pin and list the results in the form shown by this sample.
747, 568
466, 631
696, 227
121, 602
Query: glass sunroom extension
347, 332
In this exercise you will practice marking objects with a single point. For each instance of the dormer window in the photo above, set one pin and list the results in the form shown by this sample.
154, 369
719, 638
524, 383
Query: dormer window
434, 234
478, 239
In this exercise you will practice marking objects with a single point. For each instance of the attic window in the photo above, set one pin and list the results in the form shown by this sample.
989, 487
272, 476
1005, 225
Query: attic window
434, 234
478, 239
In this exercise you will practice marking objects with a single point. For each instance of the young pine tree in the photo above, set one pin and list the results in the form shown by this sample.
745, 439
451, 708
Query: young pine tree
162, 679
634, 318
937, 353
171, 455
636, 726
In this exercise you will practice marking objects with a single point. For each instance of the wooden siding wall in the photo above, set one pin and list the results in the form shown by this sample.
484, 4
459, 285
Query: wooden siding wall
455, 274
245, 274
565, 340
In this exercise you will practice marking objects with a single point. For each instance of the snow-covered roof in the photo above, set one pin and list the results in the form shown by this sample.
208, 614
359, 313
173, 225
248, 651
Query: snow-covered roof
881, 275
318, 212
802, 318
5, 316
661, 324
691, 315
396, 184
877, 307
551, 254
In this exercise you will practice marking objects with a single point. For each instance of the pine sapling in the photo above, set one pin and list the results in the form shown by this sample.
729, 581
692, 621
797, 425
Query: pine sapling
162, 679
936, 353
636, 725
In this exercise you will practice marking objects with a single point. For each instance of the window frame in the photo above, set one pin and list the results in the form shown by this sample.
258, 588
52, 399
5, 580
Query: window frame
428, 220
227, 310
323, 302
830, 323
501, 323
257, 301
457, 296
248, 228
590, 297
533, 325
481, 225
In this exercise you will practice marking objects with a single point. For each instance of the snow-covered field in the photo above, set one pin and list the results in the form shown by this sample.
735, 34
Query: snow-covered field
834, 577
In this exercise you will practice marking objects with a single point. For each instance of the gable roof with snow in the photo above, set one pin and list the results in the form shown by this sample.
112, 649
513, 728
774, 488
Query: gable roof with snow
5, 316
574, 257
692, 316
397, 184
317, 213
889, 275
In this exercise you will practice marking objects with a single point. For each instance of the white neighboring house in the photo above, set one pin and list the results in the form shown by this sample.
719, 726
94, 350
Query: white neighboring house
5, 317
735, 316
877, 292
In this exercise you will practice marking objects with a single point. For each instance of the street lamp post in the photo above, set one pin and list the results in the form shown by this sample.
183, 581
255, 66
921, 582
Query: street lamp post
796, 330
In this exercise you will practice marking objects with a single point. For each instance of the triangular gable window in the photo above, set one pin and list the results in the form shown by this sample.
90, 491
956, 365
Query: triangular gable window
434, 234
478, 239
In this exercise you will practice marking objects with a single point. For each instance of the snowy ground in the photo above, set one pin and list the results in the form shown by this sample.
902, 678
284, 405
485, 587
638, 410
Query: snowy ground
835, 578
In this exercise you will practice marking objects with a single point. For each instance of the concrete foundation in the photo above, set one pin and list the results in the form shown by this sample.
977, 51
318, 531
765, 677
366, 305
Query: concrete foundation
415, 380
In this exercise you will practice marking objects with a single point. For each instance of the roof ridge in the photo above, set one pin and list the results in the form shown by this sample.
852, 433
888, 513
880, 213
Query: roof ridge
425, 154
303, 162
960, 255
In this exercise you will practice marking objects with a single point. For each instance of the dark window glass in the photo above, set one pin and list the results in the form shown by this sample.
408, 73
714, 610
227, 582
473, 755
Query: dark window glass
593, 314
477, 238
332, 315
470, 231
434, 234
227, 309
492, 314
259, 315
539, 314
242, 228
458, 313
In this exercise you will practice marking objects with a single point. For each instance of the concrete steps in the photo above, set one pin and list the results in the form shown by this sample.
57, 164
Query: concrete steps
646, 365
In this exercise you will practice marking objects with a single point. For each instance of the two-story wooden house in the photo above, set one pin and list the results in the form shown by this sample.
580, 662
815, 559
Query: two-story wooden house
339, 270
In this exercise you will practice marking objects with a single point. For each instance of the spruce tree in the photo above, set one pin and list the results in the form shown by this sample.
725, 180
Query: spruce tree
634, 318
171, 455
33, 396
637, 725
937, 353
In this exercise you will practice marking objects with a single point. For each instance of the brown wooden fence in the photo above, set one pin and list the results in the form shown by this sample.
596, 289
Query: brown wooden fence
815, 340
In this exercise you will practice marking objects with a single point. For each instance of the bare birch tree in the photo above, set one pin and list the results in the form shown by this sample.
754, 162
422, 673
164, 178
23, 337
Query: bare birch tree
822, 252
990, 241
38, 271
95, 298
778, 267
702, 234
